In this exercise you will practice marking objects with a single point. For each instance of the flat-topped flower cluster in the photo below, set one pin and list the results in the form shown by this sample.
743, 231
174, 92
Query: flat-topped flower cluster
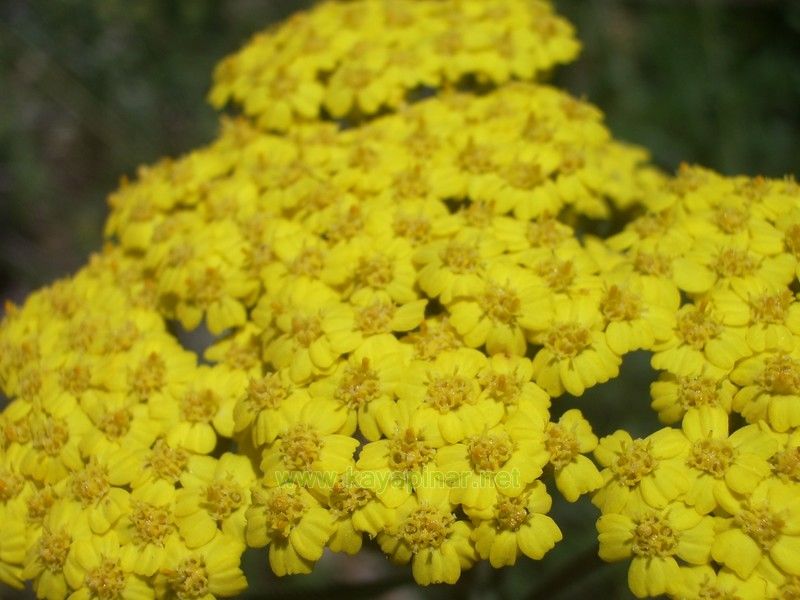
389, 253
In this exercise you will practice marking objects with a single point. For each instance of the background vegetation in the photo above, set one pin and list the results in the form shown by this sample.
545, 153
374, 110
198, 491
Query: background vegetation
89, 89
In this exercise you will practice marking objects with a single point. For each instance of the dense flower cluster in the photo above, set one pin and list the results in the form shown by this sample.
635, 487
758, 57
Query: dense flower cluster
390, 301
712, 509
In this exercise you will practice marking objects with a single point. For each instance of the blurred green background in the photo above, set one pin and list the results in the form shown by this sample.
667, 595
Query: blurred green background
89, 89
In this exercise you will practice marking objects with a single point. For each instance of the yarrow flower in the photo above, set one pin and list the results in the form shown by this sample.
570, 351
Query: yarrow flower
393, 252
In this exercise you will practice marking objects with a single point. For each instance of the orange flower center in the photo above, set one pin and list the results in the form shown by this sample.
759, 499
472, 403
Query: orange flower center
426, 527
561, 444
567, 340
634, 463
711, 456
488, 453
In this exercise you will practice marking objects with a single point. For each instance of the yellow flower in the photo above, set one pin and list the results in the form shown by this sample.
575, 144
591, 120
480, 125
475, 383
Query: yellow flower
63, 526
292, 523
205, 573
201, 409
673, 396
365, 382
655, 538
13, 545
214, 497
356, 510
704, 582
770, 389
699, 338
406, 457
308, 445
512, 303
454, 267
313, 330
724, 466
96, 488
575, 355
786, 462
428, 535
636, 319
501, 460
94, 568
566, 442
147, 527
641, 473
448, 394
763, 528
515, 525
507, 379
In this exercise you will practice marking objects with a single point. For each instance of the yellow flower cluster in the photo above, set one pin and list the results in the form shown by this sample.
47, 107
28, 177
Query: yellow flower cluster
366, 56
712, 510
386, 305
107, 486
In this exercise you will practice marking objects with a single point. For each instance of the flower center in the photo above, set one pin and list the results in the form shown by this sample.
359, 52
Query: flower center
151, 524
375, 272
53, 549
504, 387
489, 452
300, 447
449, 393
561, 444
426, 527
634, 463
30, 384
792, 239
567, 340
653, 536
712, 456
433, 338
283, 510
787, 463
306, 330
358, 386
39, 503
190, 579
10, 485
511, 513
375, 318
525, 176
76, 379
547, 233
199, 406
411, 183
696, 327
222, 499
694, 392
781, 375
732, 262
90, 484
479, 213
308, 262
150, 376
652, 264
790, 590
731, 219
460, 257
115, 424
346, 498
206, 289
409, 452
413, 227
50, 436
761, 525
476, 159
168, 463
620, 305
501, 303
267, 392
107, 581
772, 308
558, 274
